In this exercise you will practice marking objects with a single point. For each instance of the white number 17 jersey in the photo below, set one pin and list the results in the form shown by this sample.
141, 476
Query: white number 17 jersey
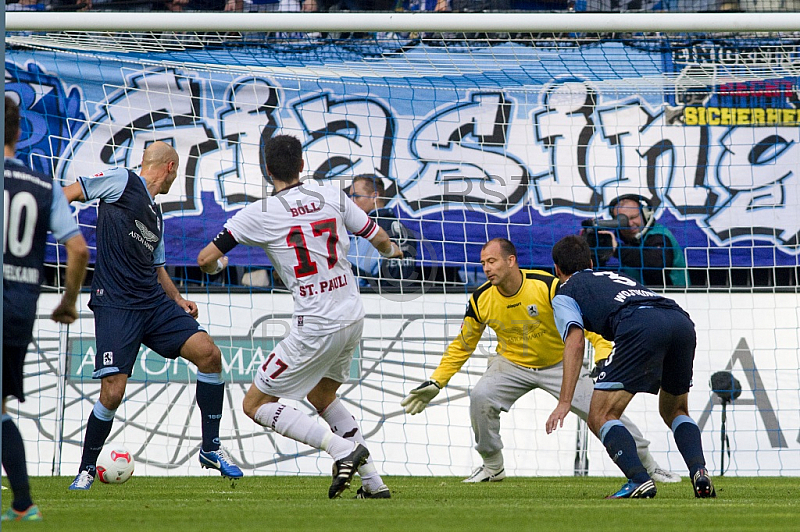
303, 230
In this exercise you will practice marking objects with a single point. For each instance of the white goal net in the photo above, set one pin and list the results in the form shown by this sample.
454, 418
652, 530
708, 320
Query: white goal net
479, 127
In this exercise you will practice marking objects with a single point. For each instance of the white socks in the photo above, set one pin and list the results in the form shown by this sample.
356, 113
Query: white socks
344, 424
293, 424
494, 462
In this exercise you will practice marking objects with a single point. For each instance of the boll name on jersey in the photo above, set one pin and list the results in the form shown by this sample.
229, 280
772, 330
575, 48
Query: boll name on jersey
20, 274
304, 209
625, 294
136, 236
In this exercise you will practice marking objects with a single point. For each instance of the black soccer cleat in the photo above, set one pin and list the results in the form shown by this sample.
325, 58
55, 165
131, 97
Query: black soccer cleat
381, 493
344, 469
703, 487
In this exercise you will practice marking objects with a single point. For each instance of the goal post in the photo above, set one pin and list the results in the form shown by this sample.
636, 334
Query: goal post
514, 125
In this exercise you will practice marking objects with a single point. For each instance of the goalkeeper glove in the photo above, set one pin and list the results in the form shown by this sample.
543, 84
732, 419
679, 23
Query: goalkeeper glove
416, 401
598, 367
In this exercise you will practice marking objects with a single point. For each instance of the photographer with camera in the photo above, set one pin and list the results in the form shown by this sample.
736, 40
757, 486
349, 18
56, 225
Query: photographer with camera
647, 251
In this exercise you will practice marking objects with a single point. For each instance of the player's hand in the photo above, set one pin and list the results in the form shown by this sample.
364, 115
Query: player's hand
65, 313
556, 419
398, 252
416, 401
394, 252
189, 306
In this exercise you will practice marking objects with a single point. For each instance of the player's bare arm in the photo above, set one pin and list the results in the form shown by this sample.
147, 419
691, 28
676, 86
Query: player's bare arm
385, 246
574, 346
77, 259
174, 294
211, 260
74, 192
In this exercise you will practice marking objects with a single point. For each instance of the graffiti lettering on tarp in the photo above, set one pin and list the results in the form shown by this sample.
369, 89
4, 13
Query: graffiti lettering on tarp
48, 109
598, 152
464, 159
572, 148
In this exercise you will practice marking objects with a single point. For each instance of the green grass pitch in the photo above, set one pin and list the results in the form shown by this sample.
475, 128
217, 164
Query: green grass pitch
262, 503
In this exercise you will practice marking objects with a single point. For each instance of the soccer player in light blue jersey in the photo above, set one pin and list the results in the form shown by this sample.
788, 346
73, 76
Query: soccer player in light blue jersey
135, 302
654, 345
32, 206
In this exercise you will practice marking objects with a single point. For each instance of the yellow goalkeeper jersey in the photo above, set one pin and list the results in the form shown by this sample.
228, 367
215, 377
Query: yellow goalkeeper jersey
524, 324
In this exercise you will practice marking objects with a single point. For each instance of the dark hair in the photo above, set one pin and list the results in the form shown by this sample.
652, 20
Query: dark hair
572, 254
283, 156
506, 246
12, 122
373, 183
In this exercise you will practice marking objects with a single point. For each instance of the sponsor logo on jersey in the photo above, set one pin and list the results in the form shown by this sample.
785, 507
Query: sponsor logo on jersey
146, 233
514, 305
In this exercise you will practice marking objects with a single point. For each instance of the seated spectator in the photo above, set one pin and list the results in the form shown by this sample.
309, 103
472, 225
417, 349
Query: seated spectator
620, 6
349, 5
647, 251
272, 6
204, 5
28, 5
367, 192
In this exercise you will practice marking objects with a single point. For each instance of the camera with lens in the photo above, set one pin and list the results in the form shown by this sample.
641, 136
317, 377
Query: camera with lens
602, 244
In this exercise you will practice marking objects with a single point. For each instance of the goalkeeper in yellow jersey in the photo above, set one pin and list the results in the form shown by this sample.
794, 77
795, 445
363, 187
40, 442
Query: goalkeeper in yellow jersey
516, 304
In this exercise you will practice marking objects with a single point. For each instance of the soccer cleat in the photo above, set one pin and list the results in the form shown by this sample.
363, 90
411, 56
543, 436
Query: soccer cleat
380, 493
484, 474
636, 490
703, 487
221, 461
344, 469
662, 475
83, 481
31, 514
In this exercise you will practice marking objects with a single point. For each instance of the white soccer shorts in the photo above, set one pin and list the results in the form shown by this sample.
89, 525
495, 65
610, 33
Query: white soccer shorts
300, 361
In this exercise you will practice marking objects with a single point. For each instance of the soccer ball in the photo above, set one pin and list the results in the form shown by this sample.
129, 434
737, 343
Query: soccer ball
115, 464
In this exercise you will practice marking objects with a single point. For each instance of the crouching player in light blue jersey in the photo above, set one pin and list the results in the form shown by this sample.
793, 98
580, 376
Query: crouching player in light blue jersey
654, 341
135, 302
32, 206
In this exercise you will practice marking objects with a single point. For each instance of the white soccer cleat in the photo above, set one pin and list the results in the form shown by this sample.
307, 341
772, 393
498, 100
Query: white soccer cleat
662, 475
484, 474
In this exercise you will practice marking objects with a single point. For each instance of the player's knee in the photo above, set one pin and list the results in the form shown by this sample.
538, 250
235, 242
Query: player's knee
249, 408
595, 421
112, 390
208, 358
111, 399
321, 400
480, 398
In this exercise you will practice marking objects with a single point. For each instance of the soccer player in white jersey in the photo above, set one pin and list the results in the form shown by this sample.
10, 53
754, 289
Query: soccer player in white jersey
303, 229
